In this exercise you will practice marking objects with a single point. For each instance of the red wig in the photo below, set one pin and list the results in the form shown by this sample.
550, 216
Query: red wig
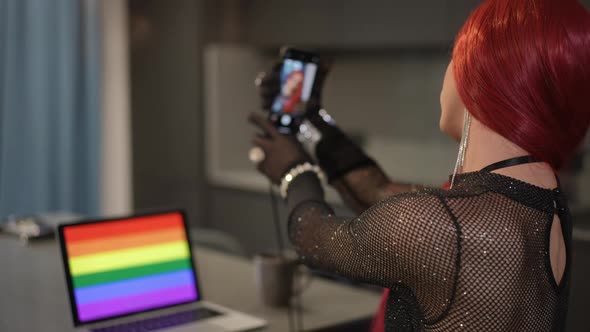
295, 97
523, 70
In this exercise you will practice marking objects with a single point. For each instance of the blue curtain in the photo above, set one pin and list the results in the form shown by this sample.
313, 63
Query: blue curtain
49, 106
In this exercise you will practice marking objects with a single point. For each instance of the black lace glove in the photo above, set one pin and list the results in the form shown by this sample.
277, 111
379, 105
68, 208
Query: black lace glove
337, 154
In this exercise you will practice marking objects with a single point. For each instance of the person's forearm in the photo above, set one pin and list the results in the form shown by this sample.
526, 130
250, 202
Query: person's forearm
363, 187
305, 187
358, 179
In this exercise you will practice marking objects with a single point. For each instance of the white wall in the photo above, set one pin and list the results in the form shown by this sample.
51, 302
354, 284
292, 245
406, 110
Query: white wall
116, 187
391, 101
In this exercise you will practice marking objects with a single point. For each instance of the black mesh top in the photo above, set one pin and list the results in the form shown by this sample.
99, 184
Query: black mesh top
473, 258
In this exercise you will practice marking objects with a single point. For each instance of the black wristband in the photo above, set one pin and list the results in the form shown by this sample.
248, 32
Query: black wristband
337, 154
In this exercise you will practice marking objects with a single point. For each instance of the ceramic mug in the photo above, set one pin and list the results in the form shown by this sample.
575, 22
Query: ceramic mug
279, 278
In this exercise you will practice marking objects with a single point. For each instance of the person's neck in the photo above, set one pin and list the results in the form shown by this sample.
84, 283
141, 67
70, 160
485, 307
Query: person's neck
486, 147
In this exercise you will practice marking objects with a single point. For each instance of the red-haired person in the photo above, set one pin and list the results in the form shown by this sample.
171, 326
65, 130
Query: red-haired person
493, 252
292, 90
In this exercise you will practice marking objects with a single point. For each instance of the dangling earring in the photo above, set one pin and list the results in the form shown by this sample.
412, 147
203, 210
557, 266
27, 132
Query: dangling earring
462, 146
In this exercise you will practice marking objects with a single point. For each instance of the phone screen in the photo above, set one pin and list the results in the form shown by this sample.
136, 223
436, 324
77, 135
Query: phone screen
297, 79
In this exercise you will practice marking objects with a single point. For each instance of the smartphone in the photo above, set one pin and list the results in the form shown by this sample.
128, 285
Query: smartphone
297, 77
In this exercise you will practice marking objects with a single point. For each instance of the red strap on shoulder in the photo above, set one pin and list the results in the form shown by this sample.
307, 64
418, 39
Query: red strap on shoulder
378, 324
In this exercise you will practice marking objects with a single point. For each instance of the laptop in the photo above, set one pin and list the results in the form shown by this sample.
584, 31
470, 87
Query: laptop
138, 274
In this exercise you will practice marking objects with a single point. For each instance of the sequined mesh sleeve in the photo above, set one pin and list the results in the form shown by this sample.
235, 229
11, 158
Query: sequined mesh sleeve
363, 187
406, 241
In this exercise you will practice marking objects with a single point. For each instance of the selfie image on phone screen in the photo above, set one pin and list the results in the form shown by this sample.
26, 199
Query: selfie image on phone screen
297, 79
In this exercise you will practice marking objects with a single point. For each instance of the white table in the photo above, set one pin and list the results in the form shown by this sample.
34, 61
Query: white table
33, 291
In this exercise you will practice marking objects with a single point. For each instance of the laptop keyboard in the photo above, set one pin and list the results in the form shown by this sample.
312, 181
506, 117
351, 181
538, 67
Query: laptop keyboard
161, 322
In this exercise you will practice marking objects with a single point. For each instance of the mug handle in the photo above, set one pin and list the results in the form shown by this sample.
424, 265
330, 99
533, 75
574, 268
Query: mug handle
303, 279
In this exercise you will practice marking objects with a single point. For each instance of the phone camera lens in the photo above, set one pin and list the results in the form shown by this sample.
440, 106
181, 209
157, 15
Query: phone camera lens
286, 120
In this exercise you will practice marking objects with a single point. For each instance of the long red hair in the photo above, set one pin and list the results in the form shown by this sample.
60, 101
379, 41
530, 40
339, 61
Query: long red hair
523, 69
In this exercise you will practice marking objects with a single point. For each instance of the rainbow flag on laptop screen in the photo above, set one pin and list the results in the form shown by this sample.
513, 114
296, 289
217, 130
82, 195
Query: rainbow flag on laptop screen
129, 265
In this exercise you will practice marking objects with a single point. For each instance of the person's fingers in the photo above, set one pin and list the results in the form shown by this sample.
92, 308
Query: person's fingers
263, 167
268, 99
270, 91
266, 104
259, 78
272, 77
266, 81
263, 142
277, 66
264, 124
269, 86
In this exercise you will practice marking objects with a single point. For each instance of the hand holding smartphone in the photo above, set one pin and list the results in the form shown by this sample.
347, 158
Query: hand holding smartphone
297, 80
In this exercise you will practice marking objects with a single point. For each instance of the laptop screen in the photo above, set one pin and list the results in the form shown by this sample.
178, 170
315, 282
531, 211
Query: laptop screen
125, 266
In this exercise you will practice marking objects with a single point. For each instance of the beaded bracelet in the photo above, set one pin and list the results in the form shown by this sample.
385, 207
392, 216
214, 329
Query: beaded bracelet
295, 172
